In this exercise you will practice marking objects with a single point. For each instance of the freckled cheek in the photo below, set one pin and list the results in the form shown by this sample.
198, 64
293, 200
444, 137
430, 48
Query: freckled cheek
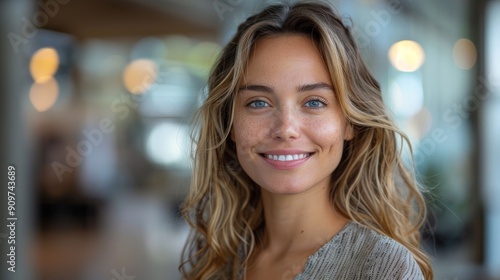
328, 135
243, 135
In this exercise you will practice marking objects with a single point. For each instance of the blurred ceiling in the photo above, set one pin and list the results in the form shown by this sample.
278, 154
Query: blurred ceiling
140, 18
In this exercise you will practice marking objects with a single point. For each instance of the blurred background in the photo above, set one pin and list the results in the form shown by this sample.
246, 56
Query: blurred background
96, 97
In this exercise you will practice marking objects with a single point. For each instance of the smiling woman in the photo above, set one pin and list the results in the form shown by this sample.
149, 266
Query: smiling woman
288, 127
297, 168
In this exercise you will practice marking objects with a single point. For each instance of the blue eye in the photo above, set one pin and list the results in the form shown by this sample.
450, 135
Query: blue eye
315, 103
258, 104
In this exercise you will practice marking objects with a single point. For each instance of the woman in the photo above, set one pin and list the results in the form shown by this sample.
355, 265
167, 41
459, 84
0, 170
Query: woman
297, 168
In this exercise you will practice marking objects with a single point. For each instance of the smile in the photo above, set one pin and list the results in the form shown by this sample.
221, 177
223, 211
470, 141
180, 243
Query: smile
287, 157
286, 160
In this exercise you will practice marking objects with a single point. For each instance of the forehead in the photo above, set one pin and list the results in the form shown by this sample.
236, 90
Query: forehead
290, 57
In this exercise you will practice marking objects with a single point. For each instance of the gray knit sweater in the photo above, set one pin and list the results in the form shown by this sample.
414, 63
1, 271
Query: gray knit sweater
357, 252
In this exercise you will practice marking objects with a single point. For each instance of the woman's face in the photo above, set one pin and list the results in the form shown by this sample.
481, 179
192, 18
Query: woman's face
288, 127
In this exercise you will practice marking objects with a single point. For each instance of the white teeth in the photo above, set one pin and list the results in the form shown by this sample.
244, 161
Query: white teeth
287, 157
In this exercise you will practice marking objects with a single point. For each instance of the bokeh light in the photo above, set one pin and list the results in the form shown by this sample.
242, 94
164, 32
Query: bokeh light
407, 95
44, 95
164, 143
406, 55
140, 75
419, 124
44, 64
464, 54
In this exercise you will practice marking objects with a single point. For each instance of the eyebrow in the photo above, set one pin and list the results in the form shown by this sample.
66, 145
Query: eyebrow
312, 87
301, 88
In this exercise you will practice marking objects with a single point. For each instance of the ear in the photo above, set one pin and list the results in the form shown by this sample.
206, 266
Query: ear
348, 132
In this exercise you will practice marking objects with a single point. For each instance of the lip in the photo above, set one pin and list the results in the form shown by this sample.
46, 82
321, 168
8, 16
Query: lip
286, 165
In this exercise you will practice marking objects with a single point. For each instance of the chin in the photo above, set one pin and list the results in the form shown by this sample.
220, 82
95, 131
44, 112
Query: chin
289, 188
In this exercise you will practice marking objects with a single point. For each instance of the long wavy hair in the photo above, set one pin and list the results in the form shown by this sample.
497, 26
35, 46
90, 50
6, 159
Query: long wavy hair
371, 185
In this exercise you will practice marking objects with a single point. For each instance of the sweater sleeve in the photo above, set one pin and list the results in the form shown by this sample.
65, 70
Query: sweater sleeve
391, 260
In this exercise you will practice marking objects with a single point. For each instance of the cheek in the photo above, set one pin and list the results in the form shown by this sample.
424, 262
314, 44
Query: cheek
329, 134
241, 133
330, 138
243, 146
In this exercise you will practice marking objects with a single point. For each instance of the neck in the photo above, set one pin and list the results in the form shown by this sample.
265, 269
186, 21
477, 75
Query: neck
299, 223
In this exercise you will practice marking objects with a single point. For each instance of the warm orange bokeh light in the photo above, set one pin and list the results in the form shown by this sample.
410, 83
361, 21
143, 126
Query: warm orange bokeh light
44, 95
464, 54
140, 75
44, 64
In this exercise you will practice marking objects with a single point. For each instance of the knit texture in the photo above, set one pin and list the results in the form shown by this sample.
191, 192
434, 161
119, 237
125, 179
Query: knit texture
357, 252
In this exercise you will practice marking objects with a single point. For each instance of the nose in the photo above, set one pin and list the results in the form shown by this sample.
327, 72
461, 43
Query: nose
286, 124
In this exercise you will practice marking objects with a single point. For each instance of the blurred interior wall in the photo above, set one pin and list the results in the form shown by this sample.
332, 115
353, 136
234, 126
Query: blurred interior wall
490, 128
15, 145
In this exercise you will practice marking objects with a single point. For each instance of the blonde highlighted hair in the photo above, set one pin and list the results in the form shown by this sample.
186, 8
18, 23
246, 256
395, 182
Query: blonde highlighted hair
371, 185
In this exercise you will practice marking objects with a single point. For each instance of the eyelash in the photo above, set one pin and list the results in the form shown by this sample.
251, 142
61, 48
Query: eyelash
254, 101
316, 98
